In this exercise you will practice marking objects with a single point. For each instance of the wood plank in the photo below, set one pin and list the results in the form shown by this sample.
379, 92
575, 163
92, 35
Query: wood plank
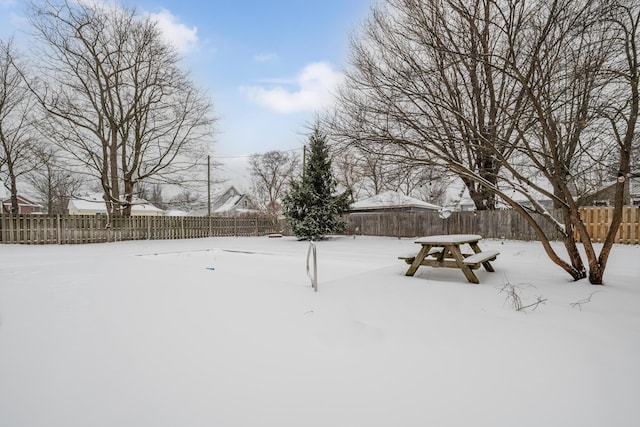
480, 257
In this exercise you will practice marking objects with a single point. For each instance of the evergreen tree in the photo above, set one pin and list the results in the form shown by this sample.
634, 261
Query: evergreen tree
311, 208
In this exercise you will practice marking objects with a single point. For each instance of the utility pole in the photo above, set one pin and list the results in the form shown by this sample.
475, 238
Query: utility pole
304, 159
209, 192
208, 185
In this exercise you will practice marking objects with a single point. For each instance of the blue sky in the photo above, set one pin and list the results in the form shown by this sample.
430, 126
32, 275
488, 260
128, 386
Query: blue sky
267, 65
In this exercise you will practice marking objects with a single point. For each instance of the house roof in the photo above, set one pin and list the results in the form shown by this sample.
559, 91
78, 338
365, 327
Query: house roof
392, 200
22, 201
232, 201
96, 204
229, 204
175, 212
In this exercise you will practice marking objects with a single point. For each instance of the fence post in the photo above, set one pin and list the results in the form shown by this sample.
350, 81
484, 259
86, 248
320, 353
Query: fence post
314, 278
58, 230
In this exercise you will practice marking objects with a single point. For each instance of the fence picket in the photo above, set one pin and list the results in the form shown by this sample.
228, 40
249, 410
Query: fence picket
75, 229
506, 224
502, 224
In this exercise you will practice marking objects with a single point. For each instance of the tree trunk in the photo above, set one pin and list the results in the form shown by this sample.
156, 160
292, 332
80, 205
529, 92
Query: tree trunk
113, 168
15, 208
574, 257
576, 269
570, 217
128, 196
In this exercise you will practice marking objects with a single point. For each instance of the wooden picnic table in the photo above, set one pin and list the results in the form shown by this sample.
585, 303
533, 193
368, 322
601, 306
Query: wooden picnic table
445, 251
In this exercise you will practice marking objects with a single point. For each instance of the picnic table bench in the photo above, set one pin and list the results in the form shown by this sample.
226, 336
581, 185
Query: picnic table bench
444, 251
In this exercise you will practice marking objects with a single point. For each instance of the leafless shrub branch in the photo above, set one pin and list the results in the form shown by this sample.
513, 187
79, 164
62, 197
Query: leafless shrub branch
514, 299
578, 304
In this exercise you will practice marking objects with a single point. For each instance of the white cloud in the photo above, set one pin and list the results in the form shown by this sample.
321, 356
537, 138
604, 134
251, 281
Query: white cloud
182, 37
312, 90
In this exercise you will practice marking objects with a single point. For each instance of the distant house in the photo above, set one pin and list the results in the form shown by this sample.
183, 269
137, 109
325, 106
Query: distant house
464, 204
542, 201
391, 201
25, 206
94, 205
605, 196
175, 212
231, 202
634, 190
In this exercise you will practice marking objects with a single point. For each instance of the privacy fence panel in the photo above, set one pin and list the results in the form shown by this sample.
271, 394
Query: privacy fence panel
598, 220
71, 229
501, 224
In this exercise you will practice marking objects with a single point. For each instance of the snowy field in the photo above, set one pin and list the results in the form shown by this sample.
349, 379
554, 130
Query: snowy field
228, 332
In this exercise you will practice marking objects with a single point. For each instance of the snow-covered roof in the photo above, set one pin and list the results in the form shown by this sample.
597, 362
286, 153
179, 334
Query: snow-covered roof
229, 204
392, 200
95, 203
176, 212
146, 207
88, 205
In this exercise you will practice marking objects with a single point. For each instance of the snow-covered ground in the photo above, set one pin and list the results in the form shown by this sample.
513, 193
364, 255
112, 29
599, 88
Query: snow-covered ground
228, 332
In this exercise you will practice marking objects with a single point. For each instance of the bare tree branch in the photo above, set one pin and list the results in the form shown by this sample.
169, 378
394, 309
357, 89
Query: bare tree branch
118, 103
521, 100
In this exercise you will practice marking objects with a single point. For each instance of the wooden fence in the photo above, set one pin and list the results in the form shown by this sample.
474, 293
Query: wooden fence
69, 229
598, 220
505, 224
502, 224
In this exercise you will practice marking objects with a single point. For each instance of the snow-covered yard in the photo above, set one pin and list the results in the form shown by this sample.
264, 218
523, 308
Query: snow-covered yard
228, 332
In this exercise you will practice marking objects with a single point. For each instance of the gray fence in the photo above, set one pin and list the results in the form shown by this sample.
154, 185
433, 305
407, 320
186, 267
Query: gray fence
69, 229
504, 224
501, 224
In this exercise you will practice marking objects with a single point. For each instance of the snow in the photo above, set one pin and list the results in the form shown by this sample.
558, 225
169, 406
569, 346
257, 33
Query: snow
391, 199
95, 203
449, 238
229, 204
228, 332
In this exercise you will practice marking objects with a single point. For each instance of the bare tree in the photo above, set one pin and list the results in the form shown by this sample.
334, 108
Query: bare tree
418, 78
151, 193
17, 132
361, 173
424, 182
366, 174
271, 173
527, 97
52, 182
349, 173
185, 201
622, 21
118, 103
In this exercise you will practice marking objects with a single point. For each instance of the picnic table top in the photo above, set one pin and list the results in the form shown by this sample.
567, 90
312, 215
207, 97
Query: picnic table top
449, 239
